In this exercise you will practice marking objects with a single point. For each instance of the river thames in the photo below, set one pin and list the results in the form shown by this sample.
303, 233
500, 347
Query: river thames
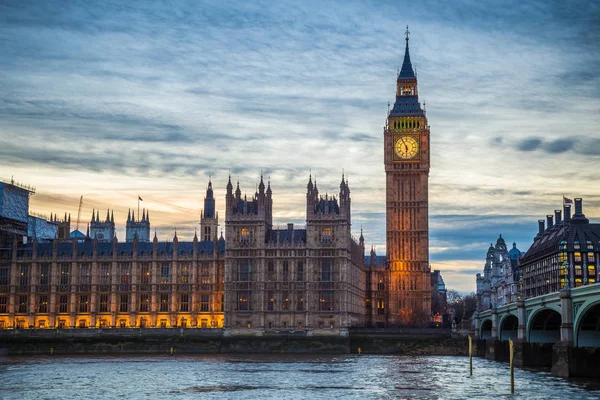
276, 376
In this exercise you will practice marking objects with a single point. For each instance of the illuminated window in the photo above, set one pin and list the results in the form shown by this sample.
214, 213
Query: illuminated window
83, 303
164, 302
326, 300
380, 307
563, 245
591, 271
104, 274
44, 275
204, 274
22, 304
145, 274
24, 275
590, 257
563, 282
245, 235
244, 300
577, 269
380, 285
103, 303
285, 301
576, 245
589, 244
184, 274
64, 274
578, 282
85, 277
577, 256
144, 302
43, 303
270, 301
125, 273
300, 301
326, 235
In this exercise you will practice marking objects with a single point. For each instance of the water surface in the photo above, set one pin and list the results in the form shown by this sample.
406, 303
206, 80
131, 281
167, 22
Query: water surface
276, 377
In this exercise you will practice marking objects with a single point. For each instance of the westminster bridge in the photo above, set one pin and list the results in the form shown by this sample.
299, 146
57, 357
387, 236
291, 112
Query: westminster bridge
561, 329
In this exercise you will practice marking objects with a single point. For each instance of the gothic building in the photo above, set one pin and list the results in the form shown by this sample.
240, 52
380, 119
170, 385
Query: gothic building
406, 157
103, 283
209, 218
500, 283
311, 277
103, 231
564, 254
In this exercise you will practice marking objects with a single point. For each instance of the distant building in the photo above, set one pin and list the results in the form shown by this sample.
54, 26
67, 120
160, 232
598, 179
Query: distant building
500, 283
564, 253
39, 228
377, 290
14, 215
138, 228
439, 300
313, 277
103, 231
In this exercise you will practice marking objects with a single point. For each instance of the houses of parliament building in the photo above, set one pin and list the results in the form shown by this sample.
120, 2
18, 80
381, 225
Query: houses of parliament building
309, 277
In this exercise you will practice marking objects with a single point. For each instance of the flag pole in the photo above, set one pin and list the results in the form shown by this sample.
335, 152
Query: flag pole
138, 207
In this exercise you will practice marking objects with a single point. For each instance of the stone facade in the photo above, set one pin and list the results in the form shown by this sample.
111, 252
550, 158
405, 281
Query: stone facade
406, 158
307, 278
139, 228
500, 283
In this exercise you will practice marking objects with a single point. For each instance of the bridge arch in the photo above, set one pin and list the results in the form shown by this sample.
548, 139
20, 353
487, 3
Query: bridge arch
544, 326
587, 328
486, 329
509, 327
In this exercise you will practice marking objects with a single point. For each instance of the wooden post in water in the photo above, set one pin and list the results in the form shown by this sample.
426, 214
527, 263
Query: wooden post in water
512, 366
470, 356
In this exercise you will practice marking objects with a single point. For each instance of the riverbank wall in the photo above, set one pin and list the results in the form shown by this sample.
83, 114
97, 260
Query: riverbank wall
562, 360
207, 341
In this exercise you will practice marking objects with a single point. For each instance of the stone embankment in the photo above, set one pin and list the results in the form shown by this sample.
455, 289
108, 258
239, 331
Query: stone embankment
199, 341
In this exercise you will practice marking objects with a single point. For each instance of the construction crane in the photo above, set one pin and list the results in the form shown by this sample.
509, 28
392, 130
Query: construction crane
79, 212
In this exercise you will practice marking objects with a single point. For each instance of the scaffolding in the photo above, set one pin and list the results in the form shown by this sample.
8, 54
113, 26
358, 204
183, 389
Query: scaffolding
14, 214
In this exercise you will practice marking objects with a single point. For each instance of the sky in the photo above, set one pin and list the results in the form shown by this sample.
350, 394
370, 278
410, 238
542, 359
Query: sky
113, 100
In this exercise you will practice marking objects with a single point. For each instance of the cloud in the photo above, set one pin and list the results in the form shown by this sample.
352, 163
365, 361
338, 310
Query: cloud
111, 101
585, 145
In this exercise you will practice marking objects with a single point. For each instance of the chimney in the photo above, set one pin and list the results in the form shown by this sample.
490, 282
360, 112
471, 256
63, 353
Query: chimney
557, 216
541, 226
567, 212
549, 222
578, 206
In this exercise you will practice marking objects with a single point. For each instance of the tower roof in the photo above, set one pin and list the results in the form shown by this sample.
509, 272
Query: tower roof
407, 70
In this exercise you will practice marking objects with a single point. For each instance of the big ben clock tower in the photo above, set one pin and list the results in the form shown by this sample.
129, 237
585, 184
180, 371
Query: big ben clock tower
406, 157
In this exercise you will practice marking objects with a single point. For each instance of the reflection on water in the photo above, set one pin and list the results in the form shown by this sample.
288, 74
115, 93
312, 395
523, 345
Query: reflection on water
277, 376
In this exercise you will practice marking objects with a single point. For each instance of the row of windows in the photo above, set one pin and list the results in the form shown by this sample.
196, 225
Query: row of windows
326, 272
407, 124
104, 273
325, 301
121, 323
123, 305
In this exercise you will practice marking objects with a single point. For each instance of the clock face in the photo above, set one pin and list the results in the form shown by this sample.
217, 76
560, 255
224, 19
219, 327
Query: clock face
406, 147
